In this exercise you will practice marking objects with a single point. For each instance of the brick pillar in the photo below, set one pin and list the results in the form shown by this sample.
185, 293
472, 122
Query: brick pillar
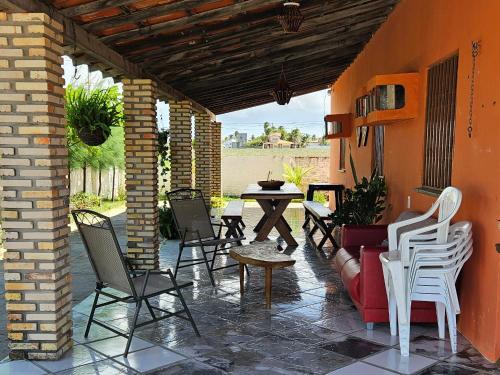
203, 155
216, 159
181, 170
34, 169
141, 159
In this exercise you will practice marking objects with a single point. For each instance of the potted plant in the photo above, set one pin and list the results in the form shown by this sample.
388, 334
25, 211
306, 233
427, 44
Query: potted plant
92, 113
364, 204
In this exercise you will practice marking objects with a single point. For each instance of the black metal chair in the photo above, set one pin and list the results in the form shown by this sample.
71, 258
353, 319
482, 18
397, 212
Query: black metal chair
196, 229
111, 271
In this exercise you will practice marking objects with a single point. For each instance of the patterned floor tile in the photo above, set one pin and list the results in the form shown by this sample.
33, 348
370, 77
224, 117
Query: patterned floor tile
392, 360
353, 347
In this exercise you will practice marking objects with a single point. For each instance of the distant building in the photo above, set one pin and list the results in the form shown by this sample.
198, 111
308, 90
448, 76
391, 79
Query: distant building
237, 140
274, 141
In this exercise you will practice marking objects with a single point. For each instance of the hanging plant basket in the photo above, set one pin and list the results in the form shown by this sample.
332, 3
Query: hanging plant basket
282, 93
92, 137
290, 17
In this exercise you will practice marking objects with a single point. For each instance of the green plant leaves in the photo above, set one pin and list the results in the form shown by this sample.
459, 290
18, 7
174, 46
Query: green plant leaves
364, 204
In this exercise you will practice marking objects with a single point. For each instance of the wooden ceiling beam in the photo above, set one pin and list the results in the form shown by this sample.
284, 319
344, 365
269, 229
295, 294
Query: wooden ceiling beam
314, 24
93, 6
269, 59
209, 15
266, 47
232, 106
296, 81
267, 80
237, 25
88, 43
141, 15
269, 75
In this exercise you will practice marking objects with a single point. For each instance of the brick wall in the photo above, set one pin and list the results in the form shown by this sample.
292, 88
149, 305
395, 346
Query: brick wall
141, 159
216, 159
180, 145
319, 167
34, 169
203, 155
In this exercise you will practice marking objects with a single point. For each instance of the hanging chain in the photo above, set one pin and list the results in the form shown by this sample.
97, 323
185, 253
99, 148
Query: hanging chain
475, 52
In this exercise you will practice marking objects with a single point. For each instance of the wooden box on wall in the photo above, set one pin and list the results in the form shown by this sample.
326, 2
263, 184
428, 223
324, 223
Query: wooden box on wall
338, 126
392, 97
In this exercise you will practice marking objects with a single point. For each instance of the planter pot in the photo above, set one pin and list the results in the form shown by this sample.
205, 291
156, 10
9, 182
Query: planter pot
94, 137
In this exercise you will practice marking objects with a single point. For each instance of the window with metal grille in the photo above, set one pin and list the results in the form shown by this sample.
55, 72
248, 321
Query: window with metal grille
342, 154
378, 149
440, 124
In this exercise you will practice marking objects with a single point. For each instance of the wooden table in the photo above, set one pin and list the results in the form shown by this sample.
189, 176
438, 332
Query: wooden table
273, 203
261, 254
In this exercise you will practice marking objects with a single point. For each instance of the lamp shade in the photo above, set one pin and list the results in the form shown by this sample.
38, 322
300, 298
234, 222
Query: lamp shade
290, 17
282, 93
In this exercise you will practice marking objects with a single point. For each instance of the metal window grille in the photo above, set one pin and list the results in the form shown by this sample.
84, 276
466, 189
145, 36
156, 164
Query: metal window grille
378, 149
342, 154
440, 123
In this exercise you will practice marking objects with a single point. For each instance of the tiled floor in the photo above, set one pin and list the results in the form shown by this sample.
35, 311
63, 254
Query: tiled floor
312, 328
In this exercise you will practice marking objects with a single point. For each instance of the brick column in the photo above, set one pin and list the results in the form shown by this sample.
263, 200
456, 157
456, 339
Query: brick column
216, 159
34, 169
141, 159
181, 170
203, 155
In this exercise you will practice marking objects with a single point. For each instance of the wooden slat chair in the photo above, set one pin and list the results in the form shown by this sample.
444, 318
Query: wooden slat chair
319, 215
196, 229
112, 273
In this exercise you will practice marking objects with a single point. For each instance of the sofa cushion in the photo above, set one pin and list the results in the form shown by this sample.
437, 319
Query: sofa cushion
342, 256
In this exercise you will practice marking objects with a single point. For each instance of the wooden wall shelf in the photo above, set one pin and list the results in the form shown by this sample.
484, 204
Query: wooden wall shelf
341, 124
405, 84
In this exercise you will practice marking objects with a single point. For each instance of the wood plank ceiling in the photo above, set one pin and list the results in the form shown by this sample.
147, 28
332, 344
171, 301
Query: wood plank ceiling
228, 54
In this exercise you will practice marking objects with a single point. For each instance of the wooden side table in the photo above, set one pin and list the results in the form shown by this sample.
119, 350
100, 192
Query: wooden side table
261, 254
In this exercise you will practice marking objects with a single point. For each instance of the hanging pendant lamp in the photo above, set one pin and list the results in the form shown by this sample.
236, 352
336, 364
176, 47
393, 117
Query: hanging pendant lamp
290, 17
282, 93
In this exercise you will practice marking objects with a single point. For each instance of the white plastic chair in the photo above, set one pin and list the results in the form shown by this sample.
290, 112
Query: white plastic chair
403, 237
433, 273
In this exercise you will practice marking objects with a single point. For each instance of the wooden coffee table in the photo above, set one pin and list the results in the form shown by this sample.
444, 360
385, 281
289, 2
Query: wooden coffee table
261, 254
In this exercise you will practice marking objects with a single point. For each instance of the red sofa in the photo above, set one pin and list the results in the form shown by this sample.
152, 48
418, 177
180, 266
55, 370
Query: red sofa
361, 271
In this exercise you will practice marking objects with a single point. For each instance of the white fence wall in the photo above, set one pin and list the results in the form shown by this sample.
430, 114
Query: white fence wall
92, 182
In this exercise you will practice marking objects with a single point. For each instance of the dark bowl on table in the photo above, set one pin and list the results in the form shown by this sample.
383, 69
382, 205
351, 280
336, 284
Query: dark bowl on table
271, 184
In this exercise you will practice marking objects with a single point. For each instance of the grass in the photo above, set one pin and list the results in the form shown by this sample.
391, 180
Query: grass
107, 205
320, 151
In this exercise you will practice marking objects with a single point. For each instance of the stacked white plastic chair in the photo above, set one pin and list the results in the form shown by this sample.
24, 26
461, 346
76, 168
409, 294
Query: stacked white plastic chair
433, 273
412, 242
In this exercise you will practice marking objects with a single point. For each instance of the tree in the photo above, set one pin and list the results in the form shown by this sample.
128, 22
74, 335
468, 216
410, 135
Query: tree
295, 136
267, 128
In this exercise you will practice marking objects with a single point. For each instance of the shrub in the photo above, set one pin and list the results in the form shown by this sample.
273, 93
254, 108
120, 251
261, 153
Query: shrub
295, 174
217, 202
83, 200
167, 223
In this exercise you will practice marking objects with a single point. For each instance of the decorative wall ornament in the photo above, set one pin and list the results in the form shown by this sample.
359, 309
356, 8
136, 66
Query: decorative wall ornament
290, 17
282, 93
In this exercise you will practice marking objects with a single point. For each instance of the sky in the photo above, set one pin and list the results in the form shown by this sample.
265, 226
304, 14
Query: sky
305, 112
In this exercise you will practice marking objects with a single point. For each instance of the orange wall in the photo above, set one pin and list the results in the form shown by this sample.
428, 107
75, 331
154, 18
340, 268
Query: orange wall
417, 34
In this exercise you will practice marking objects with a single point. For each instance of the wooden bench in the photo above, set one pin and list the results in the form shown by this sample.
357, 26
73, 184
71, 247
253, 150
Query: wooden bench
319, 215
323, 186
261, 254
233, 218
